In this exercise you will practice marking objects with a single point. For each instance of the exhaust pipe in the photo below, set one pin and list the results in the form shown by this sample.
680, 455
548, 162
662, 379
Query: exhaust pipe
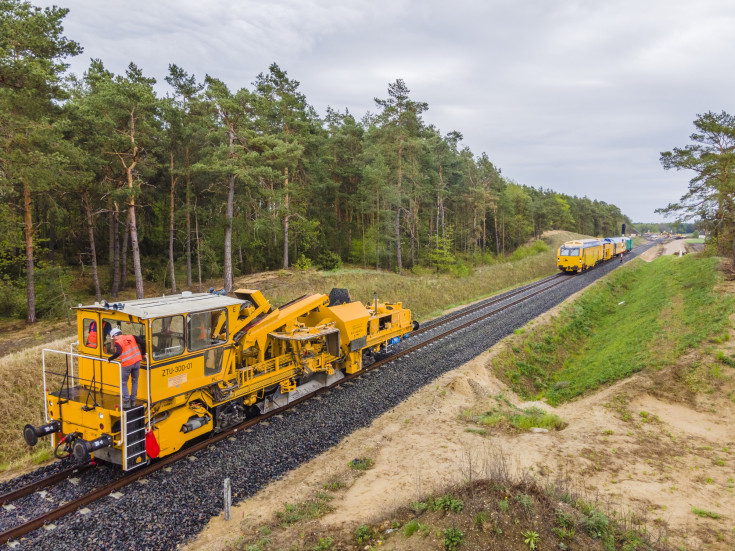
31, 434
82, 448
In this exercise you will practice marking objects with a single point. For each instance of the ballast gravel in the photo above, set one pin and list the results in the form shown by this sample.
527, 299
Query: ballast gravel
176, 504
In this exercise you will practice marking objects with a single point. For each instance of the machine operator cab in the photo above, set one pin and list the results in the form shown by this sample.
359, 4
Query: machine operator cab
187, 346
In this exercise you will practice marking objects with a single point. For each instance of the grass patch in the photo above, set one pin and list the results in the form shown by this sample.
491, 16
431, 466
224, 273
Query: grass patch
705, 514
361, 464
647, 314
306, 510
509, 416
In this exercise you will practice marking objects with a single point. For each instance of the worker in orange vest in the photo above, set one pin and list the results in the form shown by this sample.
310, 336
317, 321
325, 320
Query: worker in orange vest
128, 350
92, 336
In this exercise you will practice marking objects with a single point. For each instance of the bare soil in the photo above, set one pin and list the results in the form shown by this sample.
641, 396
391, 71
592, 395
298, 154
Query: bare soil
645, 446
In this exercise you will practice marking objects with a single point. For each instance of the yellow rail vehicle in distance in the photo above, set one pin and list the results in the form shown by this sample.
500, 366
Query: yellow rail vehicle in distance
209, 361
579, 255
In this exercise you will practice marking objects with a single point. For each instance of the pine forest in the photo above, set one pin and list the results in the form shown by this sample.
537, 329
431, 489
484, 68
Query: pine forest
104, 173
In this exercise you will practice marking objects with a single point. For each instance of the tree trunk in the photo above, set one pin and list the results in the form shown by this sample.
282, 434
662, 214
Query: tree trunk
495, 223
139, 292
377, 230
172, 228
397, 223
112, 236
229, 216
286, 217
115, 245
188, 220
123, 253
199, 255
92, 249
474, 231
30, 285
399, 260
51, 236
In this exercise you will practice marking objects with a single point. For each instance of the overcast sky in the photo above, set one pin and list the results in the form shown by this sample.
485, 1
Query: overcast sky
573, 95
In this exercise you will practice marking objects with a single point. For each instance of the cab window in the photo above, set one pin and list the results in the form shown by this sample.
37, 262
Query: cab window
207, 329
127, 328
569, 252
167, 337
90, 333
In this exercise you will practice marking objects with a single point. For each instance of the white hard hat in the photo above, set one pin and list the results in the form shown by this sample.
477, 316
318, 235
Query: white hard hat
115, 332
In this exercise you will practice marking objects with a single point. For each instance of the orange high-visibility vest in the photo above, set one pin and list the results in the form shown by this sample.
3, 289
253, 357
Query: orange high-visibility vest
130, 351
92, 337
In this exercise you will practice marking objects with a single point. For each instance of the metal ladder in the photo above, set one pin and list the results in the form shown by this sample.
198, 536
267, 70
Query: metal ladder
134, 438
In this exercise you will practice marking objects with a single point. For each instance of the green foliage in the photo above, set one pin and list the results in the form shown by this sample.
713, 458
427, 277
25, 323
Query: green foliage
704, 513
537, 247
411, 527
419, 507
526, 502
364, 533
324, 544
307, 510
531, 539
448, 503
659, 310
596, 524
711, 157
453, 538
531, 417
302, 263
361, 464
330, 261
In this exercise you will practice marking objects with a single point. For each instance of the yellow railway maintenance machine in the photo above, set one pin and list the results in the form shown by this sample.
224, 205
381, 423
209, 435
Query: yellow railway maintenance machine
210, 361
579, 255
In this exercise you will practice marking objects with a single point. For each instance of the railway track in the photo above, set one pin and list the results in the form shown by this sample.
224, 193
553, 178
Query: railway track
419, 339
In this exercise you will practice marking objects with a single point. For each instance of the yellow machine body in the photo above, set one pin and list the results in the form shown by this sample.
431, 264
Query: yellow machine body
579, 255
210, 361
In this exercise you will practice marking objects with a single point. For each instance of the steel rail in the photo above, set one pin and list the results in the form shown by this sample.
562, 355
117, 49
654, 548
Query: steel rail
487, 302
38, 522
44, 482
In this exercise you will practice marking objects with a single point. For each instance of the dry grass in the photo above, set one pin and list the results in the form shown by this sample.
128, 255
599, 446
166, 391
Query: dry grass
426, 294
21, 402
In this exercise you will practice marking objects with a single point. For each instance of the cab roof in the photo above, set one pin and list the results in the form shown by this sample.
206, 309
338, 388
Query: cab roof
156, 307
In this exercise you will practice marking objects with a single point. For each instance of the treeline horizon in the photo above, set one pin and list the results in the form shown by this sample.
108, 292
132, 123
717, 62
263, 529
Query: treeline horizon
99, 169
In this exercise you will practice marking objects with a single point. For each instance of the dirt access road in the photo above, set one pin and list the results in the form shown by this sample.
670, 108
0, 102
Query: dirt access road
634, 446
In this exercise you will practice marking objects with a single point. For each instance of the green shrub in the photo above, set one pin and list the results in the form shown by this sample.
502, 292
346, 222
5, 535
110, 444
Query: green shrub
530, 539
452, 538
419, 507
330, 261
448, 503
361, 464
526, 502
325, 544
596, 524
302, 263
411, 527
364, 533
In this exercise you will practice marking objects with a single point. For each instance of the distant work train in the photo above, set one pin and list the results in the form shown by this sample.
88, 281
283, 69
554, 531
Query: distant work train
209, 361
583, 254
